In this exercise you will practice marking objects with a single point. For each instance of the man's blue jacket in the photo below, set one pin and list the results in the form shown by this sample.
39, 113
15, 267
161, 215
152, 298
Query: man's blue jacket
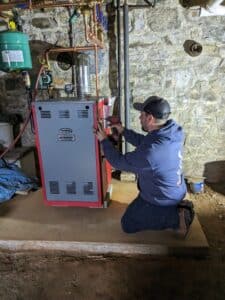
157, 161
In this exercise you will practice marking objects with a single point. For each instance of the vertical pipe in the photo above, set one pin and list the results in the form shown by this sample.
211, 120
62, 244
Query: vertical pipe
119, 58
126, 68
96, 71
71, 40
95, 21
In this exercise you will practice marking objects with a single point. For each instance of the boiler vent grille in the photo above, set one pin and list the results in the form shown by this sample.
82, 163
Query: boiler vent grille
82, 113
64, 114
54, 187
71, 188
88, 188
45, 114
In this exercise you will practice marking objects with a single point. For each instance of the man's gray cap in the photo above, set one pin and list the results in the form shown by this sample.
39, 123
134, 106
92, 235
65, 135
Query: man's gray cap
154, 105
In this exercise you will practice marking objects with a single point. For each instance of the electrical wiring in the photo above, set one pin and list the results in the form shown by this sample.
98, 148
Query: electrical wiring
29, 117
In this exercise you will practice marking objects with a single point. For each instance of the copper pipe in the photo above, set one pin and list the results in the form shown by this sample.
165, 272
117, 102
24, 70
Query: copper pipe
18, 4
70, 49
96, 41
90, 37
91, 21
95, 21
93, 34
36, 83
77, 49
86, 27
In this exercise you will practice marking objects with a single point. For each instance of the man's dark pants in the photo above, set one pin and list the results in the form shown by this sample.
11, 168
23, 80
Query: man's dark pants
142, 215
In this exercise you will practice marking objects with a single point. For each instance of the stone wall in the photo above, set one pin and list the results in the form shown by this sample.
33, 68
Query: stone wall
194, 86
50, 28
159, 65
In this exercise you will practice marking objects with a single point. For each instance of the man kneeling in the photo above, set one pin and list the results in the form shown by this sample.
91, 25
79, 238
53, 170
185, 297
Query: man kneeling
157, 162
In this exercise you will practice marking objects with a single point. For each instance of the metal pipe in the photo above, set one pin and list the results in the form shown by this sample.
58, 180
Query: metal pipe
77, 49
95, 21
96, 71
139, 6
90, 36
72, 44
42, 4
95, 41
70, 49
93, 30
85, 16
126, 69
119, 59
36, 83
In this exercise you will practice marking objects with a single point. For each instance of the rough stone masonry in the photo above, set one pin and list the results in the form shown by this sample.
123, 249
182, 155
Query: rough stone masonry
158, 65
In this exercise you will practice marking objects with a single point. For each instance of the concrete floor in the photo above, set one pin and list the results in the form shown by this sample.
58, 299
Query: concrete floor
27, 224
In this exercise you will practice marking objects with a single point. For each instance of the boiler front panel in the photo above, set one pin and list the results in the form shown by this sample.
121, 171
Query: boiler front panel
68, 150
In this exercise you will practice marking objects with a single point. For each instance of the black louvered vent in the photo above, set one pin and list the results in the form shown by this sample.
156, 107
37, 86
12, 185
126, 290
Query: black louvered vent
88, 188
82, 113
71, 188
54, 187
45, 114
64, 114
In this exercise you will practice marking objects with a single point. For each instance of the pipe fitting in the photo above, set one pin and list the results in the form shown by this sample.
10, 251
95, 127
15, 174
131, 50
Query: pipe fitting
192, 48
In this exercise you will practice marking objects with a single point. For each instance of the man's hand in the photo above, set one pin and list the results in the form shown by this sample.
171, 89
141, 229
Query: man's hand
118, 127
100, 133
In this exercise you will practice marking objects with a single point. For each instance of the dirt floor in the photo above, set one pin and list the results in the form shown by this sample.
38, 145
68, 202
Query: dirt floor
59, 276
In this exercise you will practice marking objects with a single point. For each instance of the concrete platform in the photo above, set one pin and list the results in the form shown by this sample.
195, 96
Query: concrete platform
27, 224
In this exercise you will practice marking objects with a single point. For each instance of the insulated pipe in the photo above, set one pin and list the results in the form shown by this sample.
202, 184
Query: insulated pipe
126, 69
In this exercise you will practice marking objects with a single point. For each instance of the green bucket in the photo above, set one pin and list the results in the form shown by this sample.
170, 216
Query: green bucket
14, 51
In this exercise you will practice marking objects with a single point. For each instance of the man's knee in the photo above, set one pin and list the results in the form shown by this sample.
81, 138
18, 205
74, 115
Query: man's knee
126, 225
